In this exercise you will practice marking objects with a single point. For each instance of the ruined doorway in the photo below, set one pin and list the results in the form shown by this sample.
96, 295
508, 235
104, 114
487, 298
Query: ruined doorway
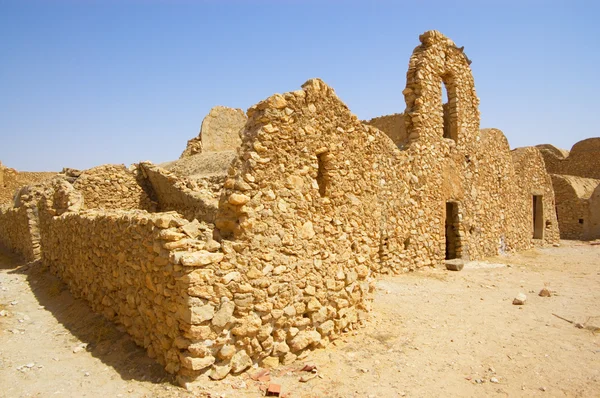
538, 217
451, 228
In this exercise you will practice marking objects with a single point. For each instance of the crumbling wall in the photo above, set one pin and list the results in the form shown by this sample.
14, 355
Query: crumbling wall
583, 160
573, 196
393, 125
193, 199
11, 180
220, 131
112, 187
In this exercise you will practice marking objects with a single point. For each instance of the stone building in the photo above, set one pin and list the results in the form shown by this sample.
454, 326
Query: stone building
576, 181
260, 256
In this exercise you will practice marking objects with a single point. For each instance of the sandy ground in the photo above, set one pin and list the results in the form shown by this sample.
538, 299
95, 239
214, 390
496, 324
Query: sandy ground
431, 333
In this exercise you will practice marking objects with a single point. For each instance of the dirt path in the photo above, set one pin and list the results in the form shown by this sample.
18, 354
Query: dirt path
432, 333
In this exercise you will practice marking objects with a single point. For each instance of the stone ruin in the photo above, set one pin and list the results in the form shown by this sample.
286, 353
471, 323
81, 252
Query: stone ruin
264, 247
576, 182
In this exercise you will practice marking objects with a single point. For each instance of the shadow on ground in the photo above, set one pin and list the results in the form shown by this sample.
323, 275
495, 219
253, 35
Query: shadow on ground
105, 340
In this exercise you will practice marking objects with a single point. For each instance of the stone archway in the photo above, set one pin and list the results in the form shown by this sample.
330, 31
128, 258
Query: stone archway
436, 62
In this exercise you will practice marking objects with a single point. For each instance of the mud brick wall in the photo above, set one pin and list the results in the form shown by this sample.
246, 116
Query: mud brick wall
112, 187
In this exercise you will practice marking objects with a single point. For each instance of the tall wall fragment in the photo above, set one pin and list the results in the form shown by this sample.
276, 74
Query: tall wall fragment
219, 132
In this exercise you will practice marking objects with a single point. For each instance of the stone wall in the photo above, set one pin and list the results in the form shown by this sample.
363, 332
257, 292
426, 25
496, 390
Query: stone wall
393, 125
576, 209
220, 131
593, 231
583, 160
112, 187
533, 180
15, 233
11, 180
192, 198
136, 268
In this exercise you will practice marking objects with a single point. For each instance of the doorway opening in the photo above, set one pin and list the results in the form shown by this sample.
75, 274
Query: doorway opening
452, 227
538, 217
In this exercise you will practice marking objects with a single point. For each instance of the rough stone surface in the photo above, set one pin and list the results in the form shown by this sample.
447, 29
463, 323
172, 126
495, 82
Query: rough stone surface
220, 131
112, 187
577, 206
583, 160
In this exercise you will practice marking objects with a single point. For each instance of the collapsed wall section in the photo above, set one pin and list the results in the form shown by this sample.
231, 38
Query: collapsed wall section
194, 199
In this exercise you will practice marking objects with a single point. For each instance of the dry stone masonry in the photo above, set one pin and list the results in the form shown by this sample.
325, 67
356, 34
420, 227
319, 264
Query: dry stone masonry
576, 180
264, 239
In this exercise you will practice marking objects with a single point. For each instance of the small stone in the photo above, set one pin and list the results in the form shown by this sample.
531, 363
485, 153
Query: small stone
201, 258
455, 265
520, 299
197, 363
303, 339
80, 348
240, 362
224, 315
219, 372
238, 199
545, 292
270, 362
494, 380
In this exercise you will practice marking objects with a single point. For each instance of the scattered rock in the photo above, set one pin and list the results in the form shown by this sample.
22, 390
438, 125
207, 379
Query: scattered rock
520, 299
545, 292
455, 264
80, 348
494, 380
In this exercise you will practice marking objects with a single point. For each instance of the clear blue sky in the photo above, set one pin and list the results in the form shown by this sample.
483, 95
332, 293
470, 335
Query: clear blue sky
84, 83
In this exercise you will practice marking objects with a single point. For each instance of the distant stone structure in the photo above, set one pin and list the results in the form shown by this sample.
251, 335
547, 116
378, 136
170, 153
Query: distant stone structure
11, 180
272, 249
220, 131
576, 180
